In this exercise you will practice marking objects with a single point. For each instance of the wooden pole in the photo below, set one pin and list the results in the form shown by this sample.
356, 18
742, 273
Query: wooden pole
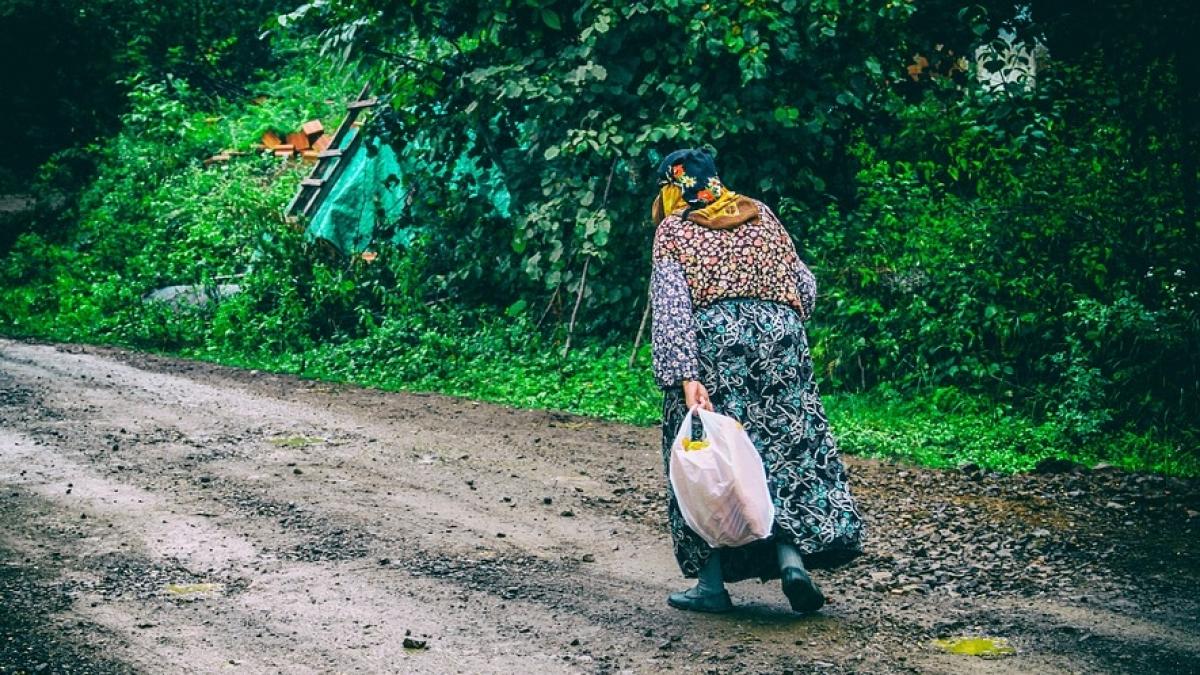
587, 261
637, 341
575, 310
549, 304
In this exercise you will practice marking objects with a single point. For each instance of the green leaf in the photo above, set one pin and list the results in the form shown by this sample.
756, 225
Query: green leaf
552, 152
550, 18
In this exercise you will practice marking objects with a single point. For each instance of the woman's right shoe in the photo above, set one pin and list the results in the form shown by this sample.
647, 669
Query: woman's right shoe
693, 601
800, 590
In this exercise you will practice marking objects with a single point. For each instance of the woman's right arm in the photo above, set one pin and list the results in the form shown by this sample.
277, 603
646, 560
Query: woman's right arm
673, 330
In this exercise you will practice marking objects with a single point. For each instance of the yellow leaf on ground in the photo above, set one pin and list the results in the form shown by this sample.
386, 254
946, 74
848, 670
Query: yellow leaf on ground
986, 647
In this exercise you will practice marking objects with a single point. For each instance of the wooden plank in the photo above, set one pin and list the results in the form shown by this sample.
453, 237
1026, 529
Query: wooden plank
322, 143
332, 178
312, 128
298, 140
344, 127
313, 182
306, 199
271, 140
368, 103
329, 153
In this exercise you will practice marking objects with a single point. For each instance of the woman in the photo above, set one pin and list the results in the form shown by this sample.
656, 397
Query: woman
730, 297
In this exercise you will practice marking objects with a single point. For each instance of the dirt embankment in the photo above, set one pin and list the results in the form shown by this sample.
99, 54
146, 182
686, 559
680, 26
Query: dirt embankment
159, 515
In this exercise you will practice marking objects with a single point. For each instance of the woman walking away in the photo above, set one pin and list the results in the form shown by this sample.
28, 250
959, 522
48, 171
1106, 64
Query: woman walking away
730, 298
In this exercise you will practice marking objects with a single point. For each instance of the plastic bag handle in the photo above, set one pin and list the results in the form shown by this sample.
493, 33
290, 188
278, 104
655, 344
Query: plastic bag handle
693, 410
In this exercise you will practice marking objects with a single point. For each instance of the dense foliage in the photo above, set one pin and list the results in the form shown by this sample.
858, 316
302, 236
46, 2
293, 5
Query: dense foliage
1006, 273
997, 239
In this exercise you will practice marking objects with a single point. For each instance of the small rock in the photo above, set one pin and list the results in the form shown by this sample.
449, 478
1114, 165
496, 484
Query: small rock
1055, 465
588, 557
547, 500
567, 514
413, 643
297, 471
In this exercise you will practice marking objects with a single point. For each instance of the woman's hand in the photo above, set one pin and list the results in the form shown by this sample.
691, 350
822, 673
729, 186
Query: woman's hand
694, 394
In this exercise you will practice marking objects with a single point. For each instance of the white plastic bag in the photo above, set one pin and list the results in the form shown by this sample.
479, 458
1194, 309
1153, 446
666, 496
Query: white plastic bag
719, 482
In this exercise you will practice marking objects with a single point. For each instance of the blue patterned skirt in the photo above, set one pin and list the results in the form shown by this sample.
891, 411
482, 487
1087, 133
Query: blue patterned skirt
755, 363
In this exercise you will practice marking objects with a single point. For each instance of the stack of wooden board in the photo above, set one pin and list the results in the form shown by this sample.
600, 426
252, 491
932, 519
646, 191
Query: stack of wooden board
308, 142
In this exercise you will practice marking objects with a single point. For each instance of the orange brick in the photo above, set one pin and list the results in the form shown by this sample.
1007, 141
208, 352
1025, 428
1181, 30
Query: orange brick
298, 140
313, 128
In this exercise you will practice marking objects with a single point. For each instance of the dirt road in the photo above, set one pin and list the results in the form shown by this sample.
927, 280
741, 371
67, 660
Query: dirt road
165, 516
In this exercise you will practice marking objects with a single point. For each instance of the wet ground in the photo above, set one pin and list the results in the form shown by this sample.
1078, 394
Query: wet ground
165, 516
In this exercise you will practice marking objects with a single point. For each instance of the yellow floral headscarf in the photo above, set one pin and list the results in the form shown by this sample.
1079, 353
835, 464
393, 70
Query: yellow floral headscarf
692, 189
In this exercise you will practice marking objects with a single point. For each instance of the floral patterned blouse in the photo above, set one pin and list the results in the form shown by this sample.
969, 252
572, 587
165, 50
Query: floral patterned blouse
696, 266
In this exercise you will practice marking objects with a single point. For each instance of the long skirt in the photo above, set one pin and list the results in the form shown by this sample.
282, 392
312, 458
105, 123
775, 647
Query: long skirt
756, 365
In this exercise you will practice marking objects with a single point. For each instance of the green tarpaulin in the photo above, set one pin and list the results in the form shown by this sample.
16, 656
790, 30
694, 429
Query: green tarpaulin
368, 199
366, 196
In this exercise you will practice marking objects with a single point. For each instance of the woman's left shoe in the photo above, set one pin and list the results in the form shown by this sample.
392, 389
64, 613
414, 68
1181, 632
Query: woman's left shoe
800, 590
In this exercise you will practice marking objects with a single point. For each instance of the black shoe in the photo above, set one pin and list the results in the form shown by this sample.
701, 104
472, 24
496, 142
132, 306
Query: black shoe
800, 590
694, 601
